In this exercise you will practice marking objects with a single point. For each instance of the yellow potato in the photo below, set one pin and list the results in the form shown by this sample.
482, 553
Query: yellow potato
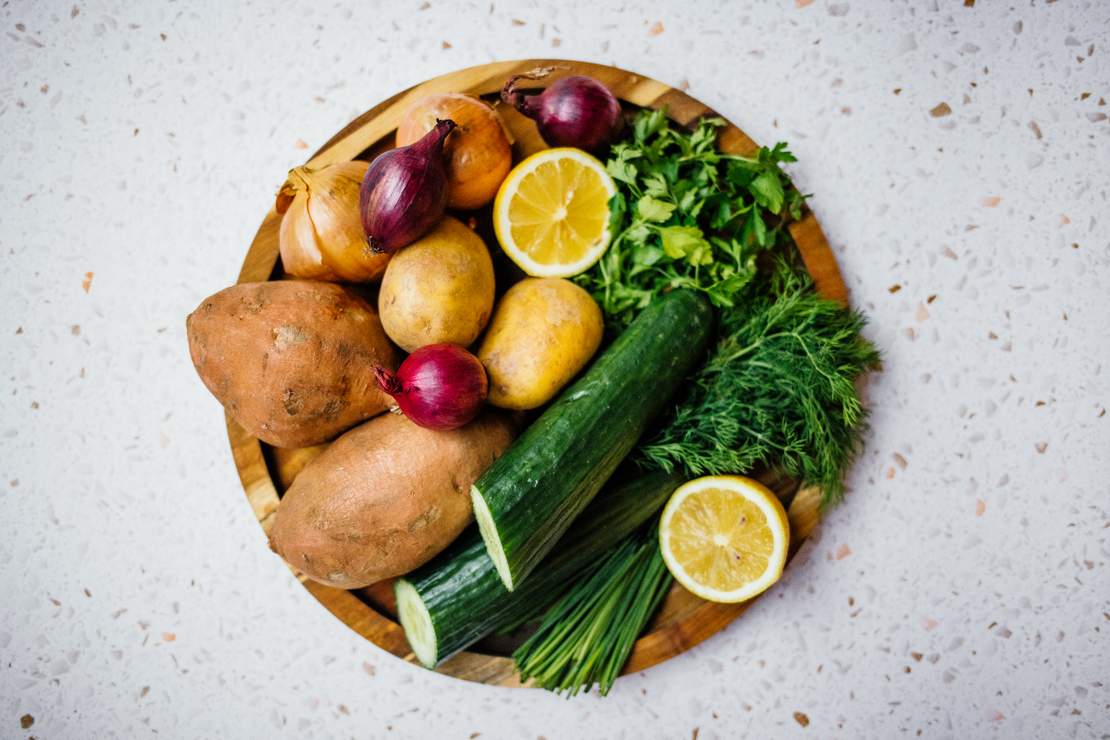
543, 332
438, 289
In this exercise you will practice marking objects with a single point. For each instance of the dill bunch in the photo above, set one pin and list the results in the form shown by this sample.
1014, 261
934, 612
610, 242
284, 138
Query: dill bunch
777, 390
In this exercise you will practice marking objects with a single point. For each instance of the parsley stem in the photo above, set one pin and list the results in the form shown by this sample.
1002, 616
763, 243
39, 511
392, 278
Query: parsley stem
721, 157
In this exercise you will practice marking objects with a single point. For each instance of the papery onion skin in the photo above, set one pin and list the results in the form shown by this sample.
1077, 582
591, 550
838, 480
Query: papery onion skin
573, 111
404, 192
478, 154
439, 386
321, 235
297, 242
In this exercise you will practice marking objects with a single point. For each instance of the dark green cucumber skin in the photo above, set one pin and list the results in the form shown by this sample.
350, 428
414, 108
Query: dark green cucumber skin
464, 595
536, 489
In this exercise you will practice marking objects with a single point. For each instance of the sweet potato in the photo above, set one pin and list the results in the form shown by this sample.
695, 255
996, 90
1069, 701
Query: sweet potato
292, 361
384, 498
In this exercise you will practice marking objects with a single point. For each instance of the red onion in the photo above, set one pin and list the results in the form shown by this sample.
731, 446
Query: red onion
573, 111
404, 192
440, 386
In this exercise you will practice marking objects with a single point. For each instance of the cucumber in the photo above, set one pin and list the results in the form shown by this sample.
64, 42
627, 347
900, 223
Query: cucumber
457, 598
527, 499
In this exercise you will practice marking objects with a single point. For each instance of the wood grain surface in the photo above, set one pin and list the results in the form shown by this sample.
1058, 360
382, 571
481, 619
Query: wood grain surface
684, 620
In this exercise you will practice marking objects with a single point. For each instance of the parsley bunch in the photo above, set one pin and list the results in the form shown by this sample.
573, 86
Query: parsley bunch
687, 216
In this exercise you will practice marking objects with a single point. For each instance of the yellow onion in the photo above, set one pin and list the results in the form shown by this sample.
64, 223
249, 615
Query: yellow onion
321, 235
478, 154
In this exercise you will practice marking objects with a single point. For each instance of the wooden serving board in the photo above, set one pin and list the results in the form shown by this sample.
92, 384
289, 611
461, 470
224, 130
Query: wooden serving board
684, 620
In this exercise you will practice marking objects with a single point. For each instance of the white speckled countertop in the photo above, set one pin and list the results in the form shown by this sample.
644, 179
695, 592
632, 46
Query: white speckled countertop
958, 157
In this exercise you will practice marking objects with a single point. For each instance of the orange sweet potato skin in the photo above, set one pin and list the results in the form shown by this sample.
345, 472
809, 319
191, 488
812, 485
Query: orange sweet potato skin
384, 498
291, 361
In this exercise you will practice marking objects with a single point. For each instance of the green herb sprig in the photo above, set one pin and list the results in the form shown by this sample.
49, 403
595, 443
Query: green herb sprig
588, 634
687, 216
778, 390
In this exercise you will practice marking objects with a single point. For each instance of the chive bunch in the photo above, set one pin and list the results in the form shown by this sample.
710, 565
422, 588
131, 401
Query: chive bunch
587, 635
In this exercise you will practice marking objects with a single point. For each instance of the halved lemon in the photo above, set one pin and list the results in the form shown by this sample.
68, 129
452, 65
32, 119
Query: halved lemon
724, 537
551, 214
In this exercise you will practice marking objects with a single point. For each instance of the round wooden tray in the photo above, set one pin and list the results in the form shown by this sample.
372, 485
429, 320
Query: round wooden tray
684, 620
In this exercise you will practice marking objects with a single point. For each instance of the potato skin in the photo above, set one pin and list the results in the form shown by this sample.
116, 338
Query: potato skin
291, 361
384, 498
438, 289
543, 332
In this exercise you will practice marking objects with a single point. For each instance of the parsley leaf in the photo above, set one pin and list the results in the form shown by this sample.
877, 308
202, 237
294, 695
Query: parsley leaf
653, 209
686, 242
767, 189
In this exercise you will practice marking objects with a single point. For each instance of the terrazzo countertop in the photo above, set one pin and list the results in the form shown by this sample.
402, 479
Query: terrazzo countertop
958, 160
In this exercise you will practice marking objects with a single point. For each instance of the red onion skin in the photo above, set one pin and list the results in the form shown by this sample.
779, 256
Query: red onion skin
404, 192
440, 386
573, 111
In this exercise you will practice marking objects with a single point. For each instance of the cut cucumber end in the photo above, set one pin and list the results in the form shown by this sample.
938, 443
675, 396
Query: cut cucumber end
417, 622
488, 529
